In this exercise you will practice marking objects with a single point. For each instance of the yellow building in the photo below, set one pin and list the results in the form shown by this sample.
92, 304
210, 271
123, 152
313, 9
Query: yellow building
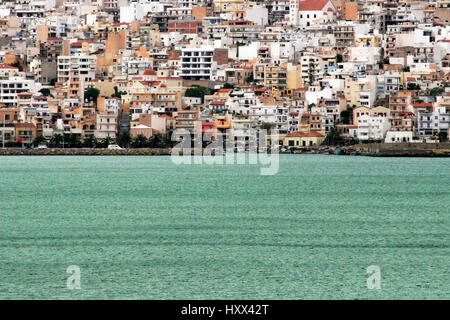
275, 76
303, 139
294, 78
357, 92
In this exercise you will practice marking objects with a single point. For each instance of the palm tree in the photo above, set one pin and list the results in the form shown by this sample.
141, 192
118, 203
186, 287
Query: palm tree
73, 140
140, 141
56, 141
156, 141
106, 142
39, 141
124, 139
90, 141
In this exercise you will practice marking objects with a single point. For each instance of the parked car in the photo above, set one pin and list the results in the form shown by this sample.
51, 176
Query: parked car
42, 146
114, 147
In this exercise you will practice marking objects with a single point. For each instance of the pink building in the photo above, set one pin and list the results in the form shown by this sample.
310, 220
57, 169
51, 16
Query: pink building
142, 130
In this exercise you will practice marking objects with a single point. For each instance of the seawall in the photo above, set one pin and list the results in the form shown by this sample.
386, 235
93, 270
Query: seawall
404, 149
84, 152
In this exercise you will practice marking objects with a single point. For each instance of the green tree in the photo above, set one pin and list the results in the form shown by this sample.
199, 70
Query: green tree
332, 138
156, 141
250, 78
40, 140
117, 93
90, 141
124, 139
436, 91
17, 65
198, 92
311, 78
228, 86
140, 142
105, 142
383, 62
73, 141
266, 126
56, 141
168, 143
45, 92
443, 136
91, 94
412, 86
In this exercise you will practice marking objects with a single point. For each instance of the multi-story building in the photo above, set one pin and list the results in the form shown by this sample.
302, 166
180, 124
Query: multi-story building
372, 128
275, 76
79, 66
12, 87
106, 125
197, 63
187, 120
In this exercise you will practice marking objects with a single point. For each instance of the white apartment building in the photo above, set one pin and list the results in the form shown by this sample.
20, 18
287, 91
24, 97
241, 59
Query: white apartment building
112, 106
312, 69
398, 136
80, 65
430, 123
372, 127
106, 125
10, 88
132, 66
197, 63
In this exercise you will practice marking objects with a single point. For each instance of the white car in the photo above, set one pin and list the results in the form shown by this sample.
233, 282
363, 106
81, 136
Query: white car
114, 147
42, 146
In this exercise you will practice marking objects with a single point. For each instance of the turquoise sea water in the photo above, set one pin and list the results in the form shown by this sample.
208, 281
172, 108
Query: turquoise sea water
144, 228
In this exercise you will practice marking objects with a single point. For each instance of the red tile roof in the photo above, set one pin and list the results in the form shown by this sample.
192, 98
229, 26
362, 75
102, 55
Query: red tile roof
24, 125
149, 72
422, 105
304, 135
312, 5
6, 66
219, 103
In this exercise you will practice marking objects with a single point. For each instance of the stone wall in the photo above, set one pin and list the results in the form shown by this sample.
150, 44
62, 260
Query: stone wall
84, 152
405, 149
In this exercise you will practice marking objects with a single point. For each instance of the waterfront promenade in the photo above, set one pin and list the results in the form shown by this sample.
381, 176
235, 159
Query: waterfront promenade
372, 149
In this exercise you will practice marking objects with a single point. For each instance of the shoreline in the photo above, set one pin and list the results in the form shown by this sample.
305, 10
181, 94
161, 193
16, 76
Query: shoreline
438, 150
84, 152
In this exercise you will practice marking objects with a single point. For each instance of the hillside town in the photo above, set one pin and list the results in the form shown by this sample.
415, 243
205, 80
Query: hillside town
86, 73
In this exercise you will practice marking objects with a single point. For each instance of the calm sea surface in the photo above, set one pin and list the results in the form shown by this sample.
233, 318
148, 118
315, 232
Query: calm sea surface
144, 228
